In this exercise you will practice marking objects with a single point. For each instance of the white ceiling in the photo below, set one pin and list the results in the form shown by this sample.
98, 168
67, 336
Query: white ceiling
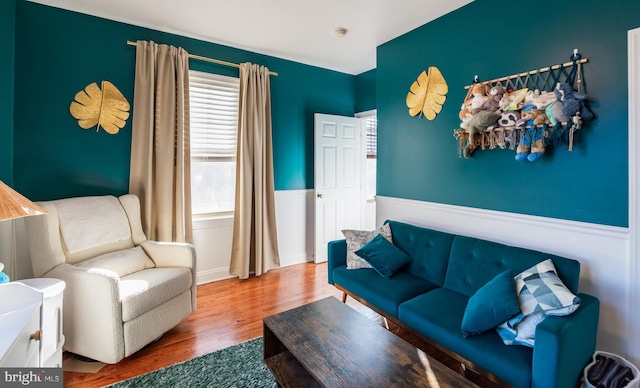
297, 30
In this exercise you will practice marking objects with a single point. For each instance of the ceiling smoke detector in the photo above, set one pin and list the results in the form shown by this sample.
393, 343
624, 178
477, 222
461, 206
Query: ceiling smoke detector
341, 32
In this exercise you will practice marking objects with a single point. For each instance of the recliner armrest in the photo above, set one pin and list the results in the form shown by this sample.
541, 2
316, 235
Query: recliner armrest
336, 256
173, 254
170, 254
92, 311
564, 345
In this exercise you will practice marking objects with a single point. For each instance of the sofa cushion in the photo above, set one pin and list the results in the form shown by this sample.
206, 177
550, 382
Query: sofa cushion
540, 293
491, 305
123, 262
385, 294
474, 262
428, 249
438, 315
145, 290
383, 256
356, 239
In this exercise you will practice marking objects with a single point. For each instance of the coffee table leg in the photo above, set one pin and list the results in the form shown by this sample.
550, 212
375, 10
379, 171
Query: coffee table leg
272, 344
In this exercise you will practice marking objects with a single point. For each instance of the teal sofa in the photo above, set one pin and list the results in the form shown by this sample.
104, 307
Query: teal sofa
429, 295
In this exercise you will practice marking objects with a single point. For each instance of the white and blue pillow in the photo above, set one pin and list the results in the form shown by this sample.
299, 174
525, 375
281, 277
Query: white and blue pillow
541, 293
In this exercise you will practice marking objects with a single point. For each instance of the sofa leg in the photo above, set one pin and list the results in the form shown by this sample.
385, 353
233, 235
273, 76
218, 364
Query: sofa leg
386, 323
344, 297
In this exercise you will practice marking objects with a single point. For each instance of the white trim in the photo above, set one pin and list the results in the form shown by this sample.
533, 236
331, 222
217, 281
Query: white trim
634, 201
213, 275
483, 216
366, 113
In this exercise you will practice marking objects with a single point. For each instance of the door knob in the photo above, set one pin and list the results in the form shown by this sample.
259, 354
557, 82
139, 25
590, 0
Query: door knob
319, 195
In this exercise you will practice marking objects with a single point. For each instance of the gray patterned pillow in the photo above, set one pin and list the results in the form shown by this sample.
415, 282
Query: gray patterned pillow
356, 239
541, 293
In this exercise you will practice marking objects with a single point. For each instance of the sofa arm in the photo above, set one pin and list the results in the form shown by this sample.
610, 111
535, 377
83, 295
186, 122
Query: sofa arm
336, 256
92, 310
564, 345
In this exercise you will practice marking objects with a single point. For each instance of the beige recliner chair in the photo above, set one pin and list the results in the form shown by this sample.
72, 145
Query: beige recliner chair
122, 290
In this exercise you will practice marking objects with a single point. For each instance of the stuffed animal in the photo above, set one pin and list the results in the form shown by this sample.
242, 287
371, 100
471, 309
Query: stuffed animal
513, 100
508, 119
465, 110
478, 123
539, 99
479, 92
535, 117
531, 146
572, 101
537, 147
555, 114
492, 103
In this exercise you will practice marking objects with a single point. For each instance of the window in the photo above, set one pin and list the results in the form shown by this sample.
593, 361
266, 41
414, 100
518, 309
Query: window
370, 125
214, 126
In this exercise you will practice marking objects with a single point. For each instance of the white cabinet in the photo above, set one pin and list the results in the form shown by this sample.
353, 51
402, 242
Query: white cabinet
52, 337
31, 323
20, 309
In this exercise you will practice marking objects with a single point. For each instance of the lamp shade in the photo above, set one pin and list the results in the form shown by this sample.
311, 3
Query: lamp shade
14, 205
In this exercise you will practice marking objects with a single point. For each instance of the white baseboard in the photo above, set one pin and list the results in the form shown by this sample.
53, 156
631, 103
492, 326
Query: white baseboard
213, 275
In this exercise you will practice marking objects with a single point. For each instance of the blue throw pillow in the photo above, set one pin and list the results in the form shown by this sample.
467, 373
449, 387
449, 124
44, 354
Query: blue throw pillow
383, 256
491, 305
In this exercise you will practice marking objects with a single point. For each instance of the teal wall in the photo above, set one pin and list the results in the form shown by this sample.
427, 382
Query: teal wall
417, 158
7, 45
365, 84
59, 52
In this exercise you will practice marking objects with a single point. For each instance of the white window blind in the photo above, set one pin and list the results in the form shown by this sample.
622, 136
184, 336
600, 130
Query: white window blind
371, 126
214, 115
214, 127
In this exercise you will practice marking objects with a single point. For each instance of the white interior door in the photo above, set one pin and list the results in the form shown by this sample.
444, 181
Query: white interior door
338, 171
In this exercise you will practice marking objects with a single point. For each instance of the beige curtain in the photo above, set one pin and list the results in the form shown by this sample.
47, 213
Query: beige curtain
160, 155
255, 245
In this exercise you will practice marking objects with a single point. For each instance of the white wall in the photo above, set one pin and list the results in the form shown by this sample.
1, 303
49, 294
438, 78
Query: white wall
603, 252
634, 193
294, 219
14, 250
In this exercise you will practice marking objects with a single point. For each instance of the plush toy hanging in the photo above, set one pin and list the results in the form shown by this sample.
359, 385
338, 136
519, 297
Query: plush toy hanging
531, 110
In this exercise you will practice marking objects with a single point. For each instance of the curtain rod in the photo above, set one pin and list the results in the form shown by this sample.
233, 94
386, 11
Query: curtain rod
201, 58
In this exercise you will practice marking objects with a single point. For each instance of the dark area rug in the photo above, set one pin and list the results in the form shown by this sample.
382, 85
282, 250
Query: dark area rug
236, 366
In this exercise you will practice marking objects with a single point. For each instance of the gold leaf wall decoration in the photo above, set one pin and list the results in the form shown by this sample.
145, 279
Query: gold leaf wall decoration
106, 108
427, 94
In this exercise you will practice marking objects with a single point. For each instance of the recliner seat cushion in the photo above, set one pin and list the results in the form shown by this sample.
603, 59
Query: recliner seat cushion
438, 315
386, 294
123, 262
147, 289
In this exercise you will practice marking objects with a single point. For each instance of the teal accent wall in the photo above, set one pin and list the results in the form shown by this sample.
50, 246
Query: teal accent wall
365, 84
7, 45
58, 53
417, 158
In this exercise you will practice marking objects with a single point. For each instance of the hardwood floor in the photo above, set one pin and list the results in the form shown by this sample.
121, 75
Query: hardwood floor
230, 312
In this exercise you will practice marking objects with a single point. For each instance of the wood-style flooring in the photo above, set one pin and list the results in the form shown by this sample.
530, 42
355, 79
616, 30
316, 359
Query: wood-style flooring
230, 312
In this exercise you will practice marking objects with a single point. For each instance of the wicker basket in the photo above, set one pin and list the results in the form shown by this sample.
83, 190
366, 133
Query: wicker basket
635, 383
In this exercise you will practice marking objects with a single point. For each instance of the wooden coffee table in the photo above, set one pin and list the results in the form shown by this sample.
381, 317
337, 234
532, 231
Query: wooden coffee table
328, 344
